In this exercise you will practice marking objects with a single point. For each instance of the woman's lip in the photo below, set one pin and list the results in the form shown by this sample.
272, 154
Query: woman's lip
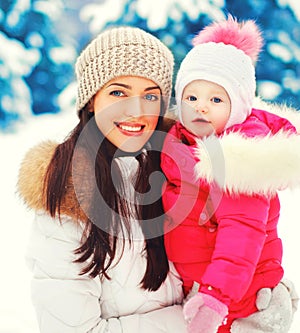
129, 128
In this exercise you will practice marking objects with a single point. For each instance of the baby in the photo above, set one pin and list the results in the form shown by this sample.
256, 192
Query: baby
221, 226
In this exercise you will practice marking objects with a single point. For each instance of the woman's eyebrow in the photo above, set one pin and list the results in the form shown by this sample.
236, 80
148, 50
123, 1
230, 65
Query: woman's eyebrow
130, 87
120, 85
152, 88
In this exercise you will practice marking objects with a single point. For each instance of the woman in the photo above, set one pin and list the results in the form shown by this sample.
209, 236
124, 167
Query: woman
96, 250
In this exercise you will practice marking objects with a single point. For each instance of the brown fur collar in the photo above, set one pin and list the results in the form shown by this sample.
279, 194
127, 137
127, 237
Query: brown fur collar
31, 182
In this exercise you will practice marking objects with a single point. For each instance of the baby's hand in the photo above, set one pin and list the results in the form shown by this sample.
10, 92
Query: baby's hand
204, 313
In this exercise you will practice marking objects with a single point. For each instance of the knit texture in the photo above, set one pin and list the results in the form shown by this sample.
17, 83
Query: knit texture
224, 53
228, 67
122, 51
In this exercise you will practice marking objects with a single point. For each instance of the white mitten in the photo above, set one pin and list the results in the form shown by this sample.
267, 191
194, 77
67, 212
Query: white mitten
276, 309
293, 293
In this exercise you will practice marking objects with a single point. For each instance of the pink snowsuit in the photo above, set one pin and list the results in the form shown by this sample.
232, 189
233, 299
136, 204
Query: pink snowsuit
230, 246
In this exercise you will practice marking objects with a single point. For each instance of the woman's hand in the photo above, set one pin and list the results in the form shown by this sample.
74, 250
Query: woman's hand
276, 310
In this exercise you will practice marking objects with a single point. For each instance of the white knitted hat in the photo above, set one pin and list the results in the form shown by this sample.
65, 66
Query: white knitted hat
224, 53
122, 51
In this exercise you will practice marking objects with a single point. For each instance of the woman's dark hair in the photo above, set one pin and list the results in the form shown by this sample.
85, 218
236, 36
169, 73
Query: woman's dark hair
98, 249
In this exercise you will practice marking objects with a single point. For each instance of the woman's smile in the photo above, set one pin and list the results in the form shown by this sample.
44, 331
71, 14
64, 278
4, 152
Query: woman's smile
130, 128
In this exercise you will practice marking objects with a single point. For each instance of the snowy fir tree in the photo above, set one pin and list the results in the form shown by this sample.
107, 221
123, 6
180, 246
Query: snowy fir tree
41, 39
35, 62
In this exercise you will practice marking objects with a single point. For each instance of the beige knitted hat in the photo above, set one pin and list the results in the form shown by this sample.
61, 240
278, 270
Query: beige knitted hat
122, 51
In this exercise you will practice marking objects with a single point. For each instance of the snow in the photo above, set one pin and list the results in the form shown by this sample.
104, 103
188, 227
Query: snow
293, 4
14, 65
280, 51
269, 89
174, 9
99, 14
19, 60
16, 312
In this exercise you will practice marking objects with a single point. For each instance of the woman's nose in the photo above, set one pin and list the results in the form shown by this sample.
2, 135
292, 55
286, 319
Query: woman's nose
133, 107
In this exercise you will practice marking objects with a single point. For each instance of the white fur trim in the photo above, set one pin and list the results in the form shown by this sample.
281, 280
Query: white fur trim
250, 165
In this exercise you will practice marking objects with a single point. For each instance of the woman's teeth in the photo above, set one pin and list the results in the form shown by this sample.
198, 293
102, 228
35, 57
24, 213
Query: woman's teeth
130, 128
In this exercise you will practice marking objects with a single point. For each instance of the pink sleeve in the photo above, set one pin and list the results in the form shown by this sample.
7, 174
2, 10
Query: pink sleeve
240, 239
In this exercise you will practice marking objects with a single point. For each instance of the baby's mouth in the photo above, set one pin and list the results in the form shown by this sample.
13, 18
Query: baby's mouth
200, 120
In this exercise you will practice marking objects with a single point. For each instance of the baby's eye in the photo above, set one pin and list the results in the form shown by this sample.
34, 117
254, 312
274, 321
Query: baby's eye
216, 100
192, 98
151, 97
117, 93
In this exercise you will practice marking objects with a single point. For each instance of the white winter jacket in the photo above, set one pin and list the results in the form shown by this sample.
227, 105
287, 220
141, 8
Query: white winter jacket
67, 302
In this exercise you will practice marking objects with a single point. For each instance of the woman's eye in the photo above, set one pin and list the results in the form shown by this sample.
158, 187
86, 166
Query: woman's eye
151, 97
217, 100
117, 93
